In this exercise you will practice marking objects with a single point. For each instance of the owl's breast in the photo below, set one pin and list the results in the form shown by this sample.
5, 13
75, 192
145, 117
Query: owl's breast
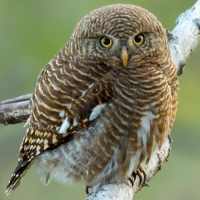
144, 105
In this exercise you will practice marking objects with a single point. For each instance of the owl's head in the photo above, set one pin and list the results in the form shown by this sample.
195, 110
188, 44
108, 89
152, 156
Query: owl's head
119, 35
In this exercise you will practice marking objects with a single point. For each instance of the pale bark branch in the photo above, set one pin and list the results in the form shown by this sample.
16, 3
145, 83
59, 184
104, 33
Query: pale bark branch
182, 41
185, 36
15, 110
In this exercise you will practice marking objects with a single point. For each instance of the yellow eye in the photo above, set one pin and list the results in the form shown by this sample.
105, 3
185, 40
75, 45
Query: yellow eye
105, 42
138, 39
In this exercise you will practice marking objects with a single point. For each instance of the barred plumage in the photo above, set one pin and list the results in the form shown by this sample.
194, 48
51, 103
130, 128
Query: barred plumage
98, 113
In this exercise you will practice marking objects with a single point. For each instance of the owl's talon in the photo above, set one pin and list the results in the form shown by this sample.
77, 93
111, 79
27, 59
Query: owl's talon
87, 189
145, 184
142, 176
134, 174
131, 181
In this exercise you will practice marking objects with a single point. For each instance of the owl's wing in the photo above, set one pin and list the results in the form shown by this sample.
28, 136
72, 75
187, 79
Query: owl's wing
68, 98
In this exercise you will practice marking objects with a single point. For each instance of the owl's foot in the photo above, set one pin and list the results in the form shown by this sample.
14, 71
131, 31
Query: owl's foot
142, 176
87, 189
131, 180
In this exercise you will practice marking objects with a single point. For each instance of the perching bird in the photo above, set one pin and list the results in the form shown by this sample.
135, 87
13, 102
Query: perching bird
105, 103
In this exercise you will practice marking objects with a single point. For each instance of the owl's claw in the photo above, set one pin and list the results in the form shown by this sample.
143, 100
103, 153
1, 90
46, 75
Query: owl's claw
87, 189
145, 184
142, 176
131, 180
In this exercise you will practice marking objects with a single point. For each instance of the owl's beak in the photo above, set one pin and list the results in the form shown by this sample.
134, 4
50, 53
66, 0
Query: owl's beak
124, 56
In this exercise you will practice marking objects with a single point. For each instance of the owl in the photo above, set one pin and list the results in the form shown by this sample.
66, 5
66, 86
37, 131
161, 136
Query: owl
105, 104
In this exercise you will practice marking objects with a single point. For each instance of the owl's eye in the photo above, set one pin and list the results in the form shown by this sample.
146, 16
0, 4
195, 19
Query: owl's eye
138, 39
105, 42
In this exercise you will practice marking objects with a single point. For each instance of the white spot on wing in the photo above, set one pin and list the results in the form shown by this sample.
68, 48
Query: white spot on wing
54, 87
26, 139
96, 111
169, 87
85, 120
75, 123
65, 125
37, 98
31, 147
46, 143
27, 130
38, 140
62, 113
41, 141
27, 122
38, 148
69, 106
91, 85
84, 93
39, 88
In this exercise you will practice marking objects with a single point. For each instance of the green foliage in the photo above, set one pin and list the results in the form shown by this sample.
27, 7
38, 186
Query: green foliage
31, 33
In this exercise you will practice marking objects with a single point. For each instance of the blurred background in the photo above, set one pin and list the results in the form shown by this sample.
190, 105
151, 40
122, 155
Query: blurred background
31, 33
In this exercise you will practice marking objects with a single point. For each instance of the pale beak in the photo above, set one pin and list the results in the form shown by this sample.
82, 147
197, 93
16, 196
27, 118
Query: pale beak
124, 56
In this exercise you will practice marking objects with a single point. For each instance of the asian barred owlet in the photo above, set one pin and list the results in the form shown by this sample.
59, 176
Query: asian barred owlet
105, 103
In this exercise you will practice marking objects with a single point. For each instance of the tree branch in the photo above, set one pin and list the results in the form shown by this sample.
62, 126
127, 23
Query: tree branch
15, 110
185, 36
182, 41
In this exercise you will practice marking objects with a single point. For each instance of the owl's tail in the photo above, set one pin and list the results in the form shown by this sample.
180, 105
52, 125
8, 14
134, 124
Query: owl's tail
17, 175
